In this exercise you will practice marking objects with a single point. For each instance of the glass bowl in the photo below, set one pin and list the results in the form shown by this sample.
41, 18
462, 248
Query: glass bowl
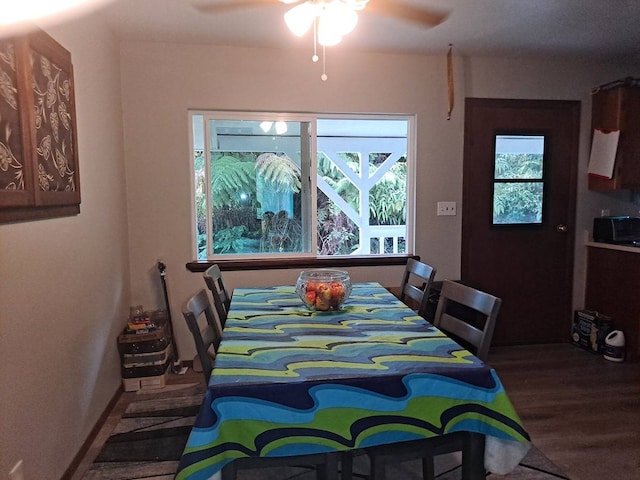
323, 289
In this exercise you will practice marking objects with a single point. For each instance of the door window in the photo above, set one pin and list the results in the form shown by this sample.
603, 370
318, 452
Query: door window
518, 179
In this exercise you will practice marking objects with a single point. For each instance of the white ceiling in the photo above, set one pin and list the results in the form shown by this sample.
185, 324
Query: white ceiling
602, 29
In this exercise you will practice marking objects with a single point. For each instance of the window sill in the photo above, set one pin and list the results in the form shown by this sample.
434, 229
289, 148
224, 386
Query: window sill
324, 262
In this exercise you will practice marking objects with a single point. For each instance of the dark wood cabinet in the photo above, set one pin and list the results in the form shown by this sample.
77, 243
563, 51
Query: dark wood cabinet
612, 289
39, 175
618, 108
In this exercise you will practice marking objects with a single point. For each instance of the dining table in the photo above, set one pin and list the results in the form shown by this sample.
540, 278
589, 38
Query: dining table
288, 380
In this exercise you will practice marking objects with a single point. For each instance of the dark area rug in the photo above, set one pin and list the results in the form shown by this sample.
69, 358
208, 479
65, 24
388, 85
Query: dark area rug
149, 439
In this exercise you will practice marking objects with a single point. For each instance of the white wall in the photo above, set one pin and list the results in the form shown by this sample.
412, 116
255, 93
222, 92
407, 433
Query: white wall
64, 284
162, 81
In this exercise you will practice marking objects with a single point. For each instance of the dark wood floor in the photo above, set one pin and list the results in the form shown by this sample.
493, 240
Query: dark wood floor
581, 410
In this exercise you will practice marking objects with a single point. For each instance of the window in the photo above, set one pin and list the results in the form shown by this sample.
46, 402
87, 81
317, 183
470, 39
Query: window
518, 184
301, 185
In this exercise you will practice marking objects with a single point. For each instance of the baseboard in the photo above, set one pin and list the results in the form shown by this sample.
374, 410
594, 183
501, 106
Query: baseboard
77, 460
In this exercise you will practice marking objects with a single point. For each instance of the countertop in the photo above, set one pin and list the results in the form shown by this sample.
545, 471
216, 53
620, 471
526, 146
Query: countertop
611, 246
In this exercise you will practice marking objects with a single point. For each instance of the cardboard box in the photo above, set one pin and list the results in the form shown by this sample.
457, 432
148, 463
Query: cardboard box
589, 330
145, 383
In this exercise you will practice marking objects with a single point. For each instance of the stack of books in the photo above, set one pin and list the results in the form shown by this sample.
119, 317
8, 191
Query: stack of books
140, 323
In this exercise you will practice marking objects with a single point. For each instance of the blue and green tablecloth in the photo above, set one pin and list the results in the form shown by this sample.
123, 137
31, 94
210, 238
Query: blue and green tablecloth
290, 381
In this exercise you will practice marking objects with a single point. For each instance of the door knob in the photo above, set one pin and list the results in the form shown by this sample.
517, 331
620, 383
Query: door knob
560, 228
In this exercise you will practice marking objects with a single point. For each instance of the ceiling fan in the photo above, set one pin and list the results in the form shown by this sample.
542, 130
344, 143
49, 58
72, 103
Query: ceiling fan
331, 19
399, 9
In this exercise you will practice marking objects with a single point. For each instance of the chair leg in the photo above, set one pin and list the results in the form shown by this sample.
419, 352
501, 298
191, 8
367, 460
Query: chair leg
328, 470
229, 471
428, 471
473, 457
378, 466
346, 461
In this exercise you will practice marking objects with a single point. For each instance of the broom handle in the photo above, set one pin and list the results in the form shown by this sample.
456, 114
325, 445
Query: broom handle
176, 356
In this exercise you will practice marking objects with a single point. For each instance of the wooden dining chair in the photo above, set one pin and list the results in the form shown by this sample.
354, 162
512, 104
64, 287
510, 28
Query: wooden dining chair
468, 315
221, 297
206, 338
416, 285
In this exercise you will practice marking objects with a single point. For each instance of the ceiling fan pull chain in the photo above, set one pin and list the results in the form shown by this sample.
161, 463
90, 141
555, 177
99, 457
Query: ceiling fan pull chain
315, 40
324, 64
315, 50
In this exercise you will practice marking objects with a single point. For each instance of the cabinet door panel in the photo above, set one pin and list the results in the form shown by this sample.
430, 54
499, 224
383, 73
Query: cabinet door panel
629, 146
53, 124
612, 290
16, 180
618, 108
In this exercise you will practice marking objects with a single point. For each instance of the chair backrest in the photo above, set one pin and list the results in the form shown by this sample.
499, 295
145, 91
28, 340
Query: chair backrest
453, 319
221, 298
207, 338
416, 284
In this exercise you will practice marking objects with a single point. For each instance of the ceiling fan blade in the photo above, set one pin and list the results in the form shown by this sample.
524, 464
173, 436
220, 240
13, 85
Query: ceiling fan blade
222, 7
396, 9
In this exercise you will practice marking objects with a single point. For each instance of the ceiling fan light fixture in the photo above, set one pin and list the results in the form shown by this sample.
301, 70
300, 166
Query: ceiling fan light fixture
300, 18
328, 33
331, 20
265, 126
281, 128
341, 16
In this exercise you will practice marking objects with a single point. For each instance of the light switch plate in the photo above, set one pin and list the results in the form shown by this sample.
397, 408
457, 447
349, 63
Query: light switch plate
446, 208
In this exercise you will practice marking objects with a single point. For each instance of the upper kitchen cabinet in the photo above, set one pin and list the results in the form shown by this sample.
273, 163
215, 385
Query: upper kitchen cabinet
616, 106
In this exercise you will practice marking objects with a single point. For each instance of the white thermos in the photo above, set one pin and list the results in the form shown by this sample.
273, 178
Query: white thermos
614, 346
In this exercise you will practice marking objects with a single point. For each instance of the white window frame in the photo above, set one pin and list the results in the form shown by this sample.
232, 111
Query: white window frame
312, 119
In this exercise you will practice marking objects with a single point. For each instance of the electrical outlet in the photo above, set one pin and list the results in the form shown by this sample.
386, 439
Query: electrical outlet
16, 472
446, 208
605, 212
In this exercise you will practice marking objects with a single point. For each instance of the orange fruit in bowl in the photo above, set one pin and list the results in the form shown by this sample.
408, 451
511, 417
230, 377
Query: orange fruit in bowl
311, 298
324, 291
322, 305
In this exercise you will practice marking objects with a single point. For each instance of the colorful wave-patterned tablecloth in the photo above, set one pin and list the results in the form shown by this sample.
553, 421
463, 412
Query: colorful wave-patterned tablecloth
289, 381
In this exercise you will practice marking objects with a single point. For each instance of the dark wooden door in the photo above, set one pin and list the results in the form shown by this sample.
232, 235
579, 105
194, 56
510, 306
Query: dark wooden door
527, 262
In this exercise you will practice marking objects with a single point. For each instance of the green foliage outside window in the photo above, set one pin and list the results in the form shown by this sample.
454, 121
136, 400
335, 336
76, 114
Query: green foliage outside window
387, 199
234, 203
518, 202
337, 234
